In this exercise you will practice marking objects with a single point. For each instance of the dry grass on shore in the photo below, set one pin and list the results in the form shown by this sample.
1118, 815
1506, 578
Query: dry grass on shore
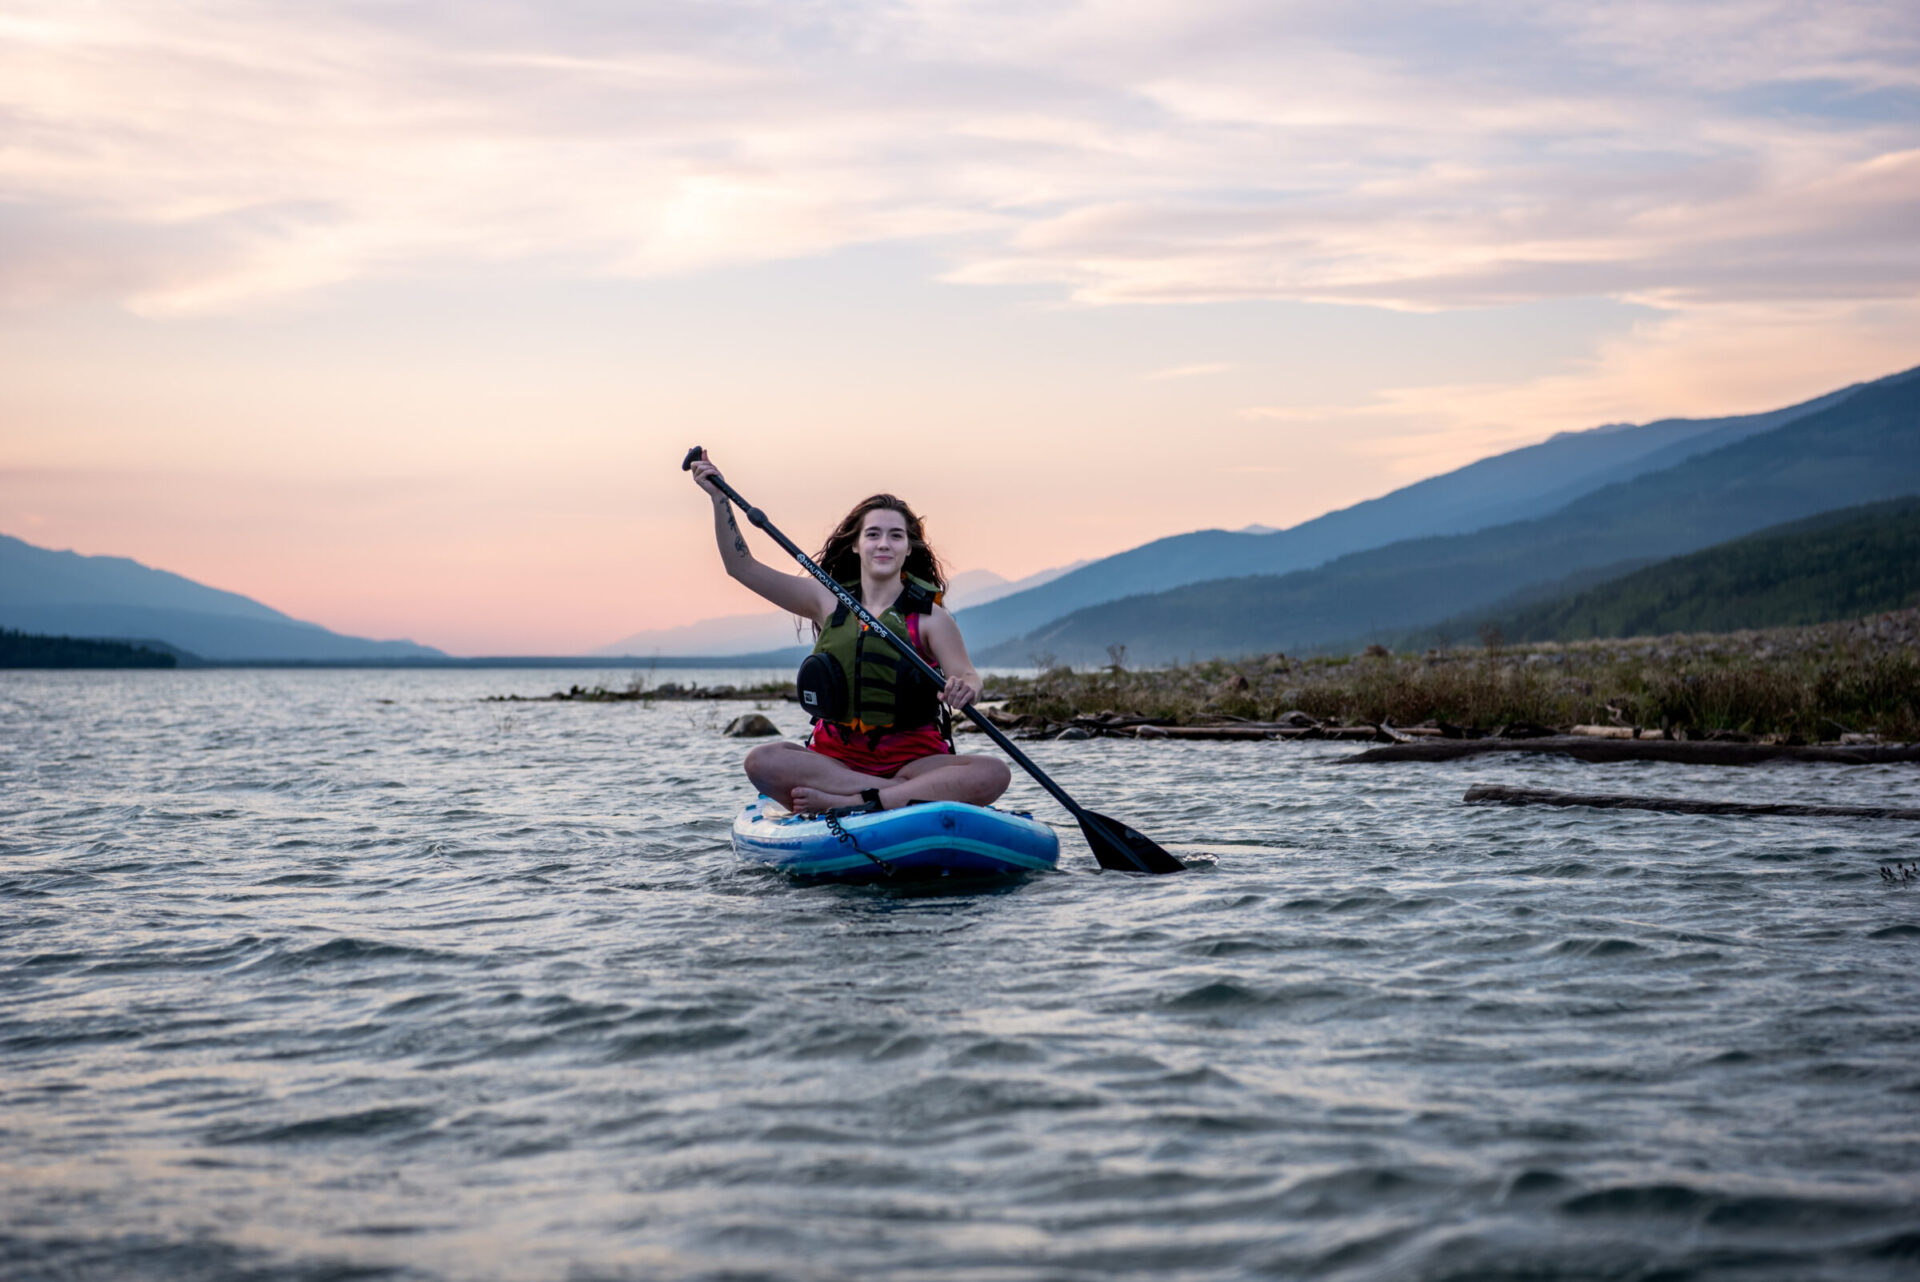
1812, 683
1808, 683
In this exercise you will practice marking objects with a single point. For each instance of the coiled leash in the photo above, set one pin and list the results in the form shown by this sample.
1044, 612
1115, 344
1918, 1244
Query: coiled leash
872, 797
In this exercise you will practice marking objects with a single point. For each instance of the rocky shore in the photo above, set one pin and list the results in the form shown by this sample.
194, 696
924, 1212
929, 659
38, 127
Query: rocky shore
639, 690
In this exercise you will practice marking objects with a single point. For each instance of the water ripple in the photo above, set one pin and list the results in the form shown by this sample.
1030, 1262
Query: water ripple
338, 974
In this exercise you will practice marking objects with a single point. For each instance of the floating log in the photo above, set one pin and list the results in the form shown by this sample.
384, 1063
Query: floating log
1255, 732
1703, 752
1213, 732
1496, 795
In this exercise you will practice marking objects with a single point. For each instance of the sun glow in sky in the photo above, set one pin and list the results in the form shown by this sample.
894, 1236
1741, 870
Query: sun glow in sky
400, 317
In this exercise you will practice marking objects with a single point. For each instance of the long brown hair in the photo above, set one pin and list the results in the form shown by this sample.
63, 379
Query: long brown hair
839, 556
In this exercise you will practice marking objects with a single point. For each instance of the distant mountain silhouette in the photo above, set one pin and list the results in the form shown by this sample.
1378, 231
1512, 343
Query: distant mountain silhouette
1839, 565
114, 598
1514, 486
1862, 448
735, 635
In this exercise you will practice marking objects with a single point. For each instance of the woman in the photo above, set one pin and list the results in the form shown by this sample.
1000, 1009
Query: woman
882, 745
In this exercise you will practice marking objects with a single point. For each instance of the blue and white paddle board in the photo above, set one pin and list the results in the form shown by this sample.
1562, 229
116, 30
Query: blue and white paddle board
922, 842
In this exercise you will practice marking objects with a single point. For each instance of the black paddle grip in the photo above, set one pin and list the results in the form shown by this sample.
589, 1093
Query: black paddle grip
755, 517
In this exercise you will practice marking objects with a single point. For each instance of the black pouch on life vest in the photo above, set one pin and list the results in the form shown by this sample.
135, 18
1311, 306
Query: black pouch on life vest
823, 688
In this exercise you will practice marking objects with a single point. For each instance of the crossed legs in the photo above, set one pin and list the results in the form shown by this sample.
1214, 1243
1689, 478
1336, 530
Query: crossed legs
807, 782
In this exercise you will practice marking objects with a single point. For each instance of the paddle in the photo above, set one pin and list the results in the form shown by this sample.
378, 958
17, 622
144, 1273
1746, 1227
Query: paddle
1114, 844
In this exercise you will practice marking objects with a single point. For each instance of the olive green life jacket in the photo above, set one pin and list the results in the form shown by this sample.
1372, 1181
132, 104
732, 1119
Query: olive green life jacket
859, 681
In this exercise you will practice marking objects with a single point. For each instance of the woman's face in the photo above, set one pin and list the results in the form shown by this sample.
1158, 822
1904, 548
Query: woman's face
883, 543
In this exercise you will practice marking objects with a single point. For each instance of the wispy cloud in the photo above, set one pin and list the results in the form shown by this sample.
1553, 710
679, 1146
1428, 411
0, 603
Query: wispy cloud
1318, 413
183, 156
1190, 371
1731, 358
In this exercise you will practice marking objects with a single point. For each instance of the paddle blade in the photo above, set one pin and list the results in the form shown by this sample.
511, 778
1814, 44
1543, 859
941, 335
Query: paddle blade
1119, 847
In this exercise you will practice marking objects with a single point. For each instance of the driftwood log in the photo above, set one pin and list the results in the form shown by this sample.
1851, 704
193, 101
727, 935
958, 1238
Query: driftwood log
1140, 728
1703, 752
1255, 730
1496, 795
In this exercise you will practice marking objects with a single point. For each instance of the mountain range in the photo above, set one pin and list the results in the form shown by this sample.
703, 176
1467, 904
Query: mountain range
1731, 478
66, 594
1502, 534
1520, 484
767, 630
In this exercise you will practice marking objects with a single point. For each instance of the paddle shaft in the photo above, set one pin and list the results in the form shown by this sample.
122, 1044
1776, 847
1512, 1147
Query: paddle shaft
759, 521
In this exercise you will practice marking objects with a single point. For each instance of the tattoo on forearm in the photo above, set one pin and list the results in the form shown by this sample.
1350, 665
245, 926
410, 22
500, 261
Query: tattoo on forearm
739, 543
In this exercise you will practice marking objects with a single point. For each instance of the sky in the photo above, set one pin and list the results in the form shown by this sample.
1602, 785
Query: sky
399, 317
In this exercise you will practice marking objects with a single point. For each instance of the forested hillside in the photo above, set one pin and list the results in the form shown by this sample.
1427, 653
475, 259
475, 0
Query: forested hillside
1839, 565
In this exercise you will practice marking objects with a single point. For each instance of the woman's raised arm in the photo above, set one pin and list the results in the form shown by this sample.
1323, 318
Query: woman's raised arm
795, 593
950, 652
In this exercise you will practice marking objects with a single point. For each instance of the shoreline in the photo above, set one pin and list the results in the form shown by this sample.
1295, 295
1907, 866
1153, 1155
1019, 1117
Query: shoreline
1750, 695
1844, 683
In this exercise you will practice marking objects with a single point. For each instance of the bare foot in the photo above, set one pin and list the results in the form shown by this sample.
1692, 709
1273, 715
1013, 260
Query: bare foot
811, 801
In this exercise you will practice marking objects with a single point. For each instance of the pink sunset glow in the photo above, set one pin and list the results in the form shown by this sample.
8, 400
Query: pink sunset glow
400, 322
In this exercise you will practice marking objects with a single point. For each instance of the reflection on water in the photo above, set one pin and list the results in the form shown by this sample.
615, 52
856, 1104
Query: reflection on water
295, 980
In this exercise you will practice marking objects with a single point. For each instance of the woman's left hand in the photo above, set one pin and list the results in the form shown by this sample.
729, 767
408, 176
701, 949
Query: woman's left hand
962, 688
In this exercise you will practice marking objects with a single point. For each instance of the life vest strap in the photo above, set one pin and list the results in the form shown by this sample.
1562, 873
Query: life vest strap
880, 688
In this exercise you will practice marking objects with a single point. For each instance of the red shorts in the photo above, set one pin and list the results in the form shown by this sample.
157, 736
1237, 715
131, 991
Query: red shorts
881, 757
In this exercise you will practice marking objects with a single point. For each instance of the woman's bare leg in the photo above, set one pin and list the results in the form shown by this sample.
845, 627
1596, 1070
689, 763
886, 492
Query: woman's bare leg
974, 779
781, 769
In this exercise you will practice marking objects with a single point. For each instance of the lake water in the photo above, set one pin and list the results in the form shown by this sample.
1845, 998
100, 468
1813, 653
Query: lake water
351, 974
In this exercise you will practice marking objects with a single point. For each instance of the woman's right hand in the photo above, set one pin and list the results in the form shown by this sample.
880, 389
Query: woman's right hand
704, 475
